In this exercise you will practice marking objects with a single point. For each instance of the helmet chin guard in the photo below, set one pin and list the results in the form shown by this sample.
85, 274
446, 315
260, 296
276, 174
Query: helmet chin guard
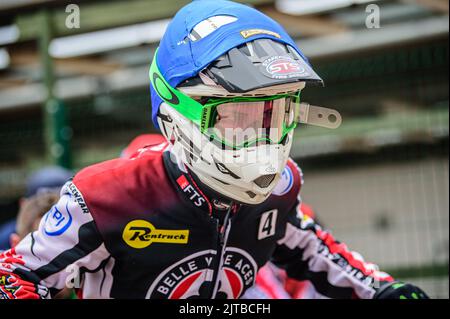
247, 175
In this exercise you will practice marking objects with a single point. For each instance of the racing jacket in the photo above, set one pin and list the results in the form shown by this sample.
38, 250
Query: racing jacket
141, 227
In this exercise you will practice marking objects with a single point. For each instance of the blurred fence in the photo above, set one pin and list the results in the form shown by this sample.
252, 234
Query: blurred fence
380, 182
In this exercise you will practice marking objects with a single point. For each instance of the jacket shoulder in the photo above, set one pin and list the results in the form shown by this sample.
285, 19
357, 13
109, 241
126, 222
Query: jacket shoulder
124, 185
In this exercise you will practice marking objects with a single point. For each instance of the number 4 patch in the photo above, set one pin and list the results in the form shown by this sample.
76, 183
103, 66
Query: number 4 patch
267, 224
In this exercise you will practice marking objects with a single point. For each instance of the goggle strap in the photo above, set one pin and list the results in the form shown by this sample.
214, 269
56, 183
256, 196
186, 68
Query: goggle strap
317, 116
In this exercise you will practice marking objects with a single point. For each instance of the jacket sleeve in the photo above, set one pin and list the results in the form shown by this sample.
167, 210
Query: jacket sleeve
66, 244
308, 252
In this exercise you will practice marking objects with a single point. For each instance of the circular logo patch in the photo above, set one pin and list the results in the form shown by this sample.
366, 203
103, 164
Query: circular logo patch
190, 277
57, 222
282, 67
141, 233
136, 233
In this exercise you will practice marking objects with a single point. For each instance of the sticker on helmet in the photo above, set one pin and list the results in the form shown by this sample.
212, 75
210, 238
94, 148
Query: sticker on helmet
249, 33
208, 26
285, 184
283, 67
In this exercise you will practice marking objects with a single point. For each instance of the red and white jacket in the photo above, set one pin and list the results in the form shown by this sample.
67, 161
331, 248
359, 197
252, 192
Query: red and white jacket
143, 227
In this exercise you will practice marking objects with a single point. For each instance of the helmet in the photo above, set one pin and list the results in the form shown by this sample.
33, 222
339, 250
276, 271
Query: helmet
226, 82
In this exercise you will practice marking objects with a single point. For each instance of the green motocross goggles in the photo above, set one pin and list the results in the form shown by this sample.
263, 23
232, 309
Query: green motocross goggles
236, 122
244, 121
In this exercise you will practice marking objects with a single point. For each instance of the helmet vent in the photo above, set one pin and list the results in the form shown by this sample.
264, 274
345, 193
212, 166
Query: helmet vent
251, 194
265, 180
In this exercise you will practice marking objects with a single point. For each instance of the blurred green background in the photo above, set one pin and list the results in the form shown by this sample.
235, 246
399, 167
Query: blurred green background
77, 96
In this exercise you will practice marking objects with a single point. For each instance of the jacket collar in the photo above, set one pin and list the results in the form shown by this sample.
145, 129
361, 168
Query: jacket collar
193, 191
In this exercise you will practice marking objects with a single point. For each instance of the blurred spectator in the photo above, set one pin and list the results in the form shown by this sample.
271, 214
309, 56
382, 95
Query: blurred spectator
6, 229
46, 180
31, 211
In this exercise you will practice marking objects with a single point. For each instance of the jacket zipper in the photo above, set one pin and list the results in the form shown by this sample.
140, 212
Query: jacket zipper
222, 242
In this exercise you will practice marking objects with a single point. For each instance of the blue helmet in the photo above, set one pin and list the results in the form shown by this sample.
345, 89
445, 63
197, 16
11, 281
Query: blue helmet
190, 45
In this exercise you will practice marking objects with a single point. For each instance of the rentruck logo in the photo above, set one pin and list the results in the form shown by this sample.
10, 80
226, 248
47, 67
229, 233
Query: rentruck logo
141, 233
